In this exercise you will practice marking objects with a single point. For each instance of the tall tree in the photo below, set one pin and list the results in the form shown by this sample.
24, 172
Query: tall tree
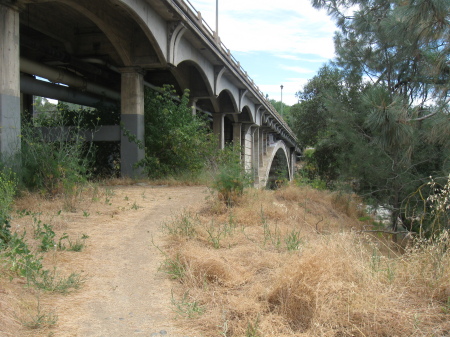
400, 53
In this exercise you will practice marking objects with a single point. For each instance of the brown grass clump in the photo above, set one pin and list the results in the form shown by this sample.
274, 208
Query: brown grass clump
294, 262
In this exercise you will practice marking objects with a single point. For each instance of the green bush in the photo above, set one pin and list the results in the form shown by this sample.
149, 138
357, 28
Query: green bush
7, 192
230, 177
176, 141
56, 162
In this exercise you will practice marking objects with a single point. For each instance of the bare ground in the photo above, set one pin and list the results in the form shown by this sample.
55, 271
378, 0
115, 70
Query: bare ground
124, 293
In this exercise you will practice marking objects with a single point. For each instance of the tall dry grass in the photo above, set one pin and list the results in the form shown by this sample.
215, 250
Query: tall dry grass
294, 262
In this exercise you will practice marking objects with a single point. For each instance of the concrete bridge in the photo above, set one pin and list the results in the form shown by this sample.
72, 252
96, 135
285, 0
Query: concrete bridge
109, 50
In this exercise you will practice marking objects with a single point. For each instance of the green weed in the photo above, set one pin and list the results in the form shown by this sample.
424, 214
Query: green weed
184, 225
185, 308
293, 240
51, 281
252, 329
41, 319
175, 268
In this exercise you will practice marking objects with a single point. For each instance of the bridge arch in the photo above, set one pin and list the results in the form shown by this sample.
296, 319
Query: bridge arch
278, 165
227, 102
190, 75
132, 40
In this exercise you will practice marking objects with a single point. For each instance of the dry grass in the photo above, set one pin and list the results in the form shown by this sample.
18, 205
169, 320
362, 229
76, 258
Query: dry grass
25, 310
294, 262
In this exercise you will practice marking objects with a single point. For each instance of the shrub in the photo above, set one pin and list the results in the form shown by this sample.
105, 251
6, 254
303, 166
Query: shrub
55, 162
230, 177
7, 191
176, 141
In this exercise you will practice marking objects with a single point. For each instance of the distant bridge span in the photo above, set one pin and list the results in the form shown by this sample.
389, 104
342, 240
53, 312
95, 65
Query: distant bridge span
110, 49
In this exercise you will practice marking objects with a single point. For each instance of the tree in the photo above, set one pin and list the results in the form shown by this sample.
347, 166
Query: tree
285, 112
387, 125
393, 131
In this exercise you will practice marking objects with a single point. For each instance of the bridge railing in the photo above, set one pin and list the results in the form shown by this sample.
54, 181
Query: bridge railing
196, 16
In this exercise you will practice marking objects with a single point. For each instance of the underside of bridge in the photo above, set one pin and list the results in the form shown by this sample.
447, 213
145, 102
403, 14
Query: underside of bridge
106, 51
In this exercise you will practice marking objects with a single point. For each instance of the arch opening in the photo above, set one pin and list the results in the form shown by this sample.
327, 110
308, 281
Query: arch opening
279, 170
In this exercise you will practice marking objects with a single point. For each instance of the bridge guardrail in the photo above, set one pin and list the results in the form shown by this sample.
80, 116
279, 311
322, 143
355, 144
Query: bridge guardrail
195, 15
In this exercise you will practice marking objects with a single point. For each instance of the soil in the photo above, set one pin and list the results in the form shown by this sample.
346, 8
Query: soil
125, 293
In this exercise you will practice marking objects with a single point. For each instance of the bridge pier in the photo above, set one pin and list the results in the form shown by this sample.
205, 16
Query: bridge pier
237, 134
132, 117
219, 128
9, 81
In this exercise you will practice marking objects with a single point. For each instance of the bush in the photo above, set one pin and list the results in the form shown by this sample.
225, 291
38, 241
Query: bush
176, 141
7, 191
55, 162
230, 177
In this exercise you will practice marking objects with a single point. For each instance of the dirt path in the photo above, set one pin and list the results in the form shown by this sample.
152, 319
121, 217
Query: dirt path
124, 294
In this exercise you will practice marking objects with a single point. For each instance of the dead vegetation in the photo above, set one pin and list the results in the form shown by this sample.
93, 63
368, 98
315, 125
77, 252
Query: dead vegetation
294, 262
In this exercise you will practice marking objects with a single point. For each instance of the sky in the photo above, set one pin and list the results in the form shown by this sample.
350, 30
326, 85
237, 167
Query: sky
277, 42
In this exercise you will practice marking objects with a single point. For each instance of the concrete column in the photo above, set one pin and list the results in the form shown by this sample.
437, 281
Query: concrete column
261, 147
219, 128
263, 143
293, 162
247, 146
237, 134
255, 151
9, 81
194, 106
132, 117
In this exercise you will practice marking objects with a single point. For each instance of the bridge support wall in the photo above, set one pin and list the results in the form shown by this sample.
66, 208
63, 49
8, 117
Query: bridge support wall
9, 81
132, 116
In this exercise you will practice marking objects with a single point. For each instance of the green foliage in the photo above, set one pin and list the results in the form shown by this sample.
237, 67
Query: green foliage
47, 236
7, 192
285, 112
176, 141
378, 117
293, 240
186, 308
25, 263
230, 177
174, 267
20, 258
184, 225
53, 163
427, 210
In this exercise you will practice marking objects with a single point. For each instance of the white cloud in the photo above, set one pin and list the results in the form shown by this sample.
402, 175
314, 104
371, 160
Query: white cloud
285, 26
296, 69
287, 29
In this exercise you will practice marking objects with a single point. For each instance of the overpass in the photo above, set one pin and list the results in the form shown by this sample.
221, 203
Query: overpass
108, 50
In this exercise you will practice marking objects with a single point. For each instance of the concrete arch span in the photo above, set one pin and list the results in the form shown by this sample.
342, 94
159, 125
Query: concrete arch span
276, 165
78, 25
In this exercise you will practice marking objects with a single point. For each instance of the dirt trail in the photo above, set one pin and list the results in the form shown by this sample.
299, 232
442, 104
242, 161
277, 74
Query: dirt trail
124, 294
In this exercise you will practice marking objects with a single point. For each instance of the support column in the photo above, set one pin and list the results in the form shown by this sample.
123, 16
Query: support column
261, 147
194, 106
237, 134
255, 151
219, 128
247, 146
293, 162
132, 117
9, 81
